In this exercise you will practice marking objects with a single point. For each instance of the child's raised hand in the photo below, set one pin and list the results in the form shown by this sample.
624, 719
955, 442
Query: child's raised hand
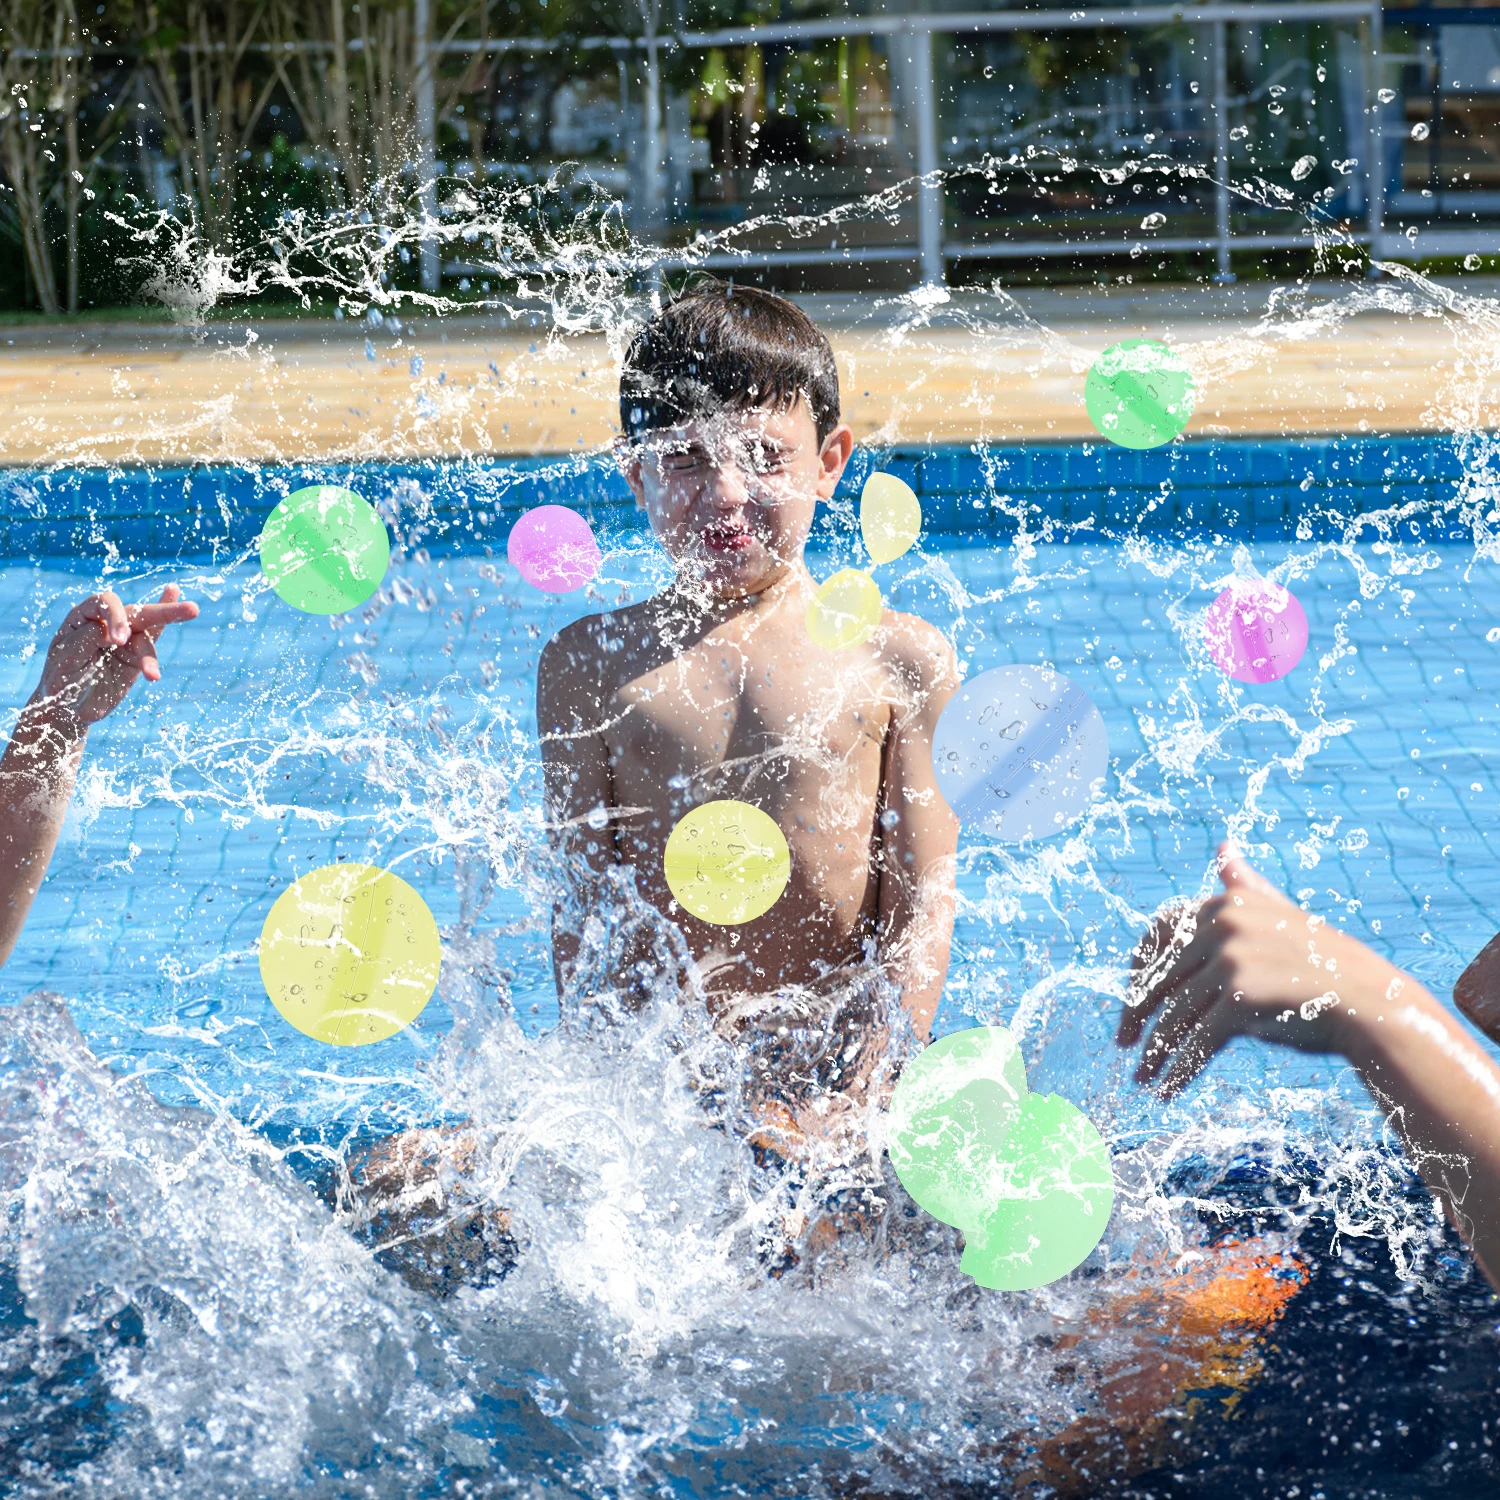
101, 648
1246, 963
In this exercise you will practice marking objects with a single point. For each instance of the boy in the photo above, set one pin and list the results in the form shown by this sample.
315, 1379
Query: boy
94, 659
712, 689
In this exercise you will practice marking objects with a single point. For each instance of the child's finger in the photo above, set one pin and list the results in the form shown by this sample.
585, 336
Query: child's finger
140, 656
1183, 1011
1172, 969
1238, 873
107, 609
154, 617
1197, 1050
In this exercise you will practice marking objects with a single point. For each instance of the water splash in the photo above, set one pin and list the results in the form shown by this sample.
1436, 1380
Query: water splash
631, 1260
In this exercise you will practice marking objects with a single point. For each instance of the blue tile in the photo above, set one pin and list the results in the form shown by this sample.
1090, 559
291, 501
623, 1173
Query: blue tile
1122, 466
1160, 512
1203, 483
1049, 468
1412, 458
1194, 463
1087, 465
1445, 461
1268, 505
1156, 466
1230, 508
1232, 463
59, 537
1376, 462
1049, 503
942, 514
952, 473
1122, 505
1082, 505
25, 538
1269, 464
141, 535
1009, 467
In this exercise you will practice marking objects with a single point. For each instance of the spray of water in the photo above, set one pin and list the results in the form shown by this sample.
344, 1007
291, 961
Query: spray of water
644, 1249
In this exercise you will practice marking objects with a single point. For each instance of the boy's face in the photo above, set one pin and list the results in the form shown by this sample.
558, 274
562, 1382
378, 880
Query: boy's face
731, 497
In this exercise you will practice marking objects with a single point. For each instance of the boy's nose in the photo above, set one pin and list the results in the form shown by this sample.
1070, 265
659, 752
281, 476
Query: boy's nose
728, 486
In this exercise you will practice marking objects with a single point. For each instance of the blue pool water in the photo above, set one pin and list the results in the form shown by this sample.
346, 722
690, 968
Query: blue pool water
1365, 783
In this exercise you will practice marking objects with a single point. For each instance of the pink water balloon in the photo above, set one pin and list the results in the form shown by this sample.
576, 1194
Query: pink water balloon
1256, 631
553, 549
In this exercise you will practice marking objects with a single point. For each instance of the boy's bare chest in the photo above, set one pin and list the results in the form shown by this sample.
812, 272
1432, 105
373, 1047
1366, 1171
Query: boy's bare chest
772, 718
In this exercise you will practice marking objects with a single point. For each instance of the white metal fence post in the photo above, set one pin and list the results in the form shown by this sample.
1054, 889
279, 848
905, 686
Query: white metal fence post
1219, 31
653, 165
1375, 180
930, 185
423, 60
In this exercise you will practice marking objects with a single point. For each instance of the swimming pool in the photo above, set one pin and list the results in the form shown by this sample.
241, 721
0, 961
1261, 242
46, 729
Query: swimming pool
191, 1313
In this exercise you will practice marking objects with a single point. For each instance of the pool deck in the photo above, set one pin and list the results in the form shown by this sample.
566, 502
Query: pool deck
1386, 357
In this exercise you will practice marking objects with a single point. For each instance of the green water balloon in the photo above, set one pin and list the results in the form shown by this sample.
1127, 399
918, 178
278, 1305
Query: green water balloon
324, 550
951, 1114
1049, 1197
1139, 393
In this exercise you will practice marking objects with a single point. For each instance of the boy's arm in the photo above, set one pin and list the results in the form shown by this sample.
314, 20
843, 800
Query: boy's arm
575, 767
95, 657
919, 834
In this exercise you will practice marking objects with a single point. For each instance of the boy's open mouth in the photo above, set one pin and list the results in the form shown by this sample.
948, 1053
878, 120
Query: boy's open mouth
727, 536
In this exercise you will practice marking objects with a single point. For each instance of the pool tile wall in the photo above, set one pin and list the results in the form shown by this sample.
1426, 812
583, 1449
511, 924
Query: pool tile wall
1263, 487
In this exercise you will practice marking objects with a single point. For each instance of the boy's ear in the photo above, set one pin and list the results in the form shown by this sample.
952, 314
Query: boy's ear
834, 455
628, 461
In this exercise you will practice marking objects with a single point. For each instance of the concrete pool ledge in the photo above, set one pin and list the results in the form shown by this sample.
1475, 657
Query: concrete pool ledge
1325, 359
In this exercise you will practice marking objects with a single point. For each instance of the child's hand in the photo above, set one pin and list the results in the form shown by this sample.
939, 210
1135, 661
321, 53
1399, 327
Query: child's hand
1247, 963
100, 650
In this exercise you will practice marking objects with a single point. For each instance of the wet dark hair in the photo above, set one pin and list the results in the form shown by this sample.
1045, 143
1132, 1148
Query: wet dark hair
718, 346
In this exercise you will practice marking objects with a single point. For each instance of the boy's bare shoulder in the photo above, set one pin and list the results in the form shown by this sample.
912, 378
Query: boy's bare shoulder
917, 652
582, 661
590, 641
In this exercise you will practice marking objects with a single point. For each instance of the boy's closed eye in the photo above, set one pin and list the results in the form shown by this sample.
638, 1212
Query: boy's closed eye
682, 460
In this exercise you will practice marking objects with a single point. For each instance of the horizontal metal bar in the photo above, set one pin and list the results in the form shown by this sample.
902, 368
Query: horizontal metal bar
981, 250
1106, 19
723, 258
1433, 15
714, 260
1395, 245
1109, 18
1022, 249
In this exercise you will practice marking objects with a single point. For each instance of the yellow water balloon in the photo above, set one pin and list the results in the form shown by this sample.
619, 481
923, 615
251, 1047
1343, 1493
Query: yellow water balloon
845, 610
890, 517
727, 862
349, 954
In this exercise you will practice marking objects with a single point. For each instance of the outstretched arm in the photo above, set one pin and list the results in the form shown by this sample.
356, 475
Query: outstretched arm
919, 834
95, 657
1250, 963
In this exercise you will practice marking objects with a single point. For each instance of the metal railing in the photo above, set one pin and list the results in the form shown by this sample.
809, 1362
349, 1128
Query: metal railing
932, 251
